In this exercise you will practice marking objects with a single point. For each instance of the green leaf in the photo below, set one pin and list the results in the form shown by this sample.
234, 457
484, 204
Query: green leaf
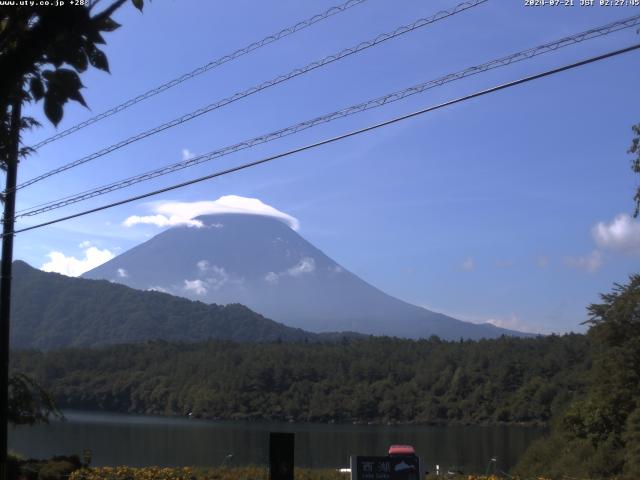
99, 60
109, 25
93, 36
64, 84
53, 109
138, 4
28, 123
67, 79
37, 88
77, 96
79, 61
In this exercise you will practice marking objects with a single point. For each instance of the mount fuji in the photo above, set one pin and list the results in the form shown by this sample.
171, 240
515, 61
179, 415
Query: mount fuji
263, 263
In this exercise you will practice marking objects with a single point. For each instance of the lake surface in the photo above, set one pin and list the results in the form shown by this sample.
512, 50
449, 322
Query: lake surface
135, 440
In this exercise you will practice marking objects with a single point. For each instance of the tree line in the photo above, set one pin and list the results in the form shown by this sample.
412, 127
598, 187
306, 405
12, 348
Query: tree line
598, 434
382, 380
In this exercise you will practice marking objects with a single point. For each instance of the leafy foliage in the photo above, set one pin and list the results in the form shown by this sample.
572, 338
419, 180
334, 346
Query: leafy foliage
29, 403
43, 50
634, 149
56, 468
190, 473
225, 473
506, 380
598, 436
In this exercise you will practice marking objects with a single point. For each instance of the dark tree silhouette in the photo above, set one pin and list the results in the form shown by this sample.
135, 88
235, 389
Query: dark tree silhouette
634, 149
43, 51
29, 403
598, 436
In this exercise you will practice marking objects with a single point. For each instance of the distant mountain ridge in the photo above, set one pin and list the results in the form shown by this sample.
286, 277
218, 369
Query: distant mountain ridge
259, 261
51, 311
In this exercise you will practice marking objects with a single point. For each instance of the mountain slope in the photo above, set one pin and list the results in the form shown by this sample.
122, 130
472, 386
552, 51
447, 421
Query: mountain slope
260, 262
51, 311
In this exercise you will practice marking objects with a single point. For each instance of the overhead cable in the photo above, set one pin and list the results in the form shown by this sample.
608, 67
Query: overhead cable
285, 32
255, 89
345, 112
334, 139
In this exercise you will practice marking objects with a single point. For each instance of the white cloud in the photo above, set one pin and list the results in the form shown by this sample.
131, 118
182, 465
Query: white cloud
195, 286
73, 267
212, 277
512, 322
218, 277
85, 244
187, 154
122, 273
161, 221
468, 264
272, 278
158, 289
590, 262
305, 265
622, 234
168, 214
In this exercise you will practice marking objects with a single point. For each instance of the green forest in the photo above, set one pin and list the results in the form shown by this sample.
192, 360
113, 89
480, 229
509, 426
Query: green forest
85, 313
598, 434
507, 380
586, 388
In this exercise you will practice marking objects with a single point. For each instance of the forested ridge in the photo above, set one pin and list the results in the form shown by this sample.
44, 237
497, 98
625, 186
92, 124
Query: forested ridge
506, 380
85, 313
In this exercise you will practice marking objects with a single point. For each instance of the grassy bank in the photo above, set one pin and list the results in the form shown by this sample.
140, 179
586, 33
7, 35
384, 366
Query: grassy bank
70, 468
229, 473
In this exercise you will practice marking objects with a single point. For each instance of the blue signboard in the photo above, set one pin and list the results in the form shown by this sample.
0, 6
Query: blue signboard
394, 467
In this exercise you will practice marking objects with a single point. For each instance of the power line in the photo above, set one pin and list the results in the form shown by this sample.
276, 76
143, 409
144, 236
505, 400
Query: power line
336, 138
255, 89
370, 104
204, 68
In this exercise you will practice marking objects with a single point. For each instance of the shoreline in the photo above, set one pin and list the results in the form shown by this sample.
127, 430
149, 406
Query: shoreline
298, 422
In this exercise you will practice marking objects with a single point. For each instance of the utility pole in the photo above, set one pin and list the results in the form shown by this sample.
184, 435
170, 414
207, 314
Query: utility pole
5, 275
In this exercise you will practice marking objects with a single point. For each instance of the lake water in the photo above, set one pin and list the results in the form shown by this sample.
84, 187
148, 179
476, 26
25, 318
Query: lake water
145, 440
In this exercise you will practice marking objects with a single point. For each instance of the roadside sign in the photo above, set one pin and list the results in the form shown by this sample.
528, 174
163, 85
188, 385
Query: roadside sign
395, 467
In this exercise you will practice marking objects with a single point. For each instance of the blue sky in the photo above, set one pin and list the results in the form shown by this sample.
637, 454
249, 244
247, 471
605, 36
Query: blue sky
505, 208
